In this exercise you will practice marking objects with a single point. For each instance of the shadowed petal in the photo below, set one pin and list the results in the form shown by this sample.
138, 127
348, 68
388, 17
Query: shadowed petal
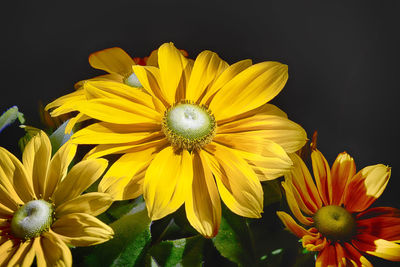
203, 205
237, 183
167, 182
52, 251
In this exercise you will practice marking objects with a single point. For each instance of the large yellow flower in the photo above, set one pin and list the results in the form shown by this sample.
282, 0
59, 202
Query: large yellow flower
41, 206
335, 208
199, 130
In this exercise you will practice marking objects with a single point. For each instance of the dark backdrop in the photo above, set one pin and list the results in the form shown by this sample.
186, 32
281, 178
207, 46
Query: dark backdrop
343, 59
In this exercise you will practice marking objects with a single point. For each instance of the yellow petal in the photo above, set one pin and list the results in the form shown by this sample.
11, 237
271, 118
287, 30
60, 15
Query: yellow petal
78, 179
250, 89
286, 133
78, 95
167, 182
13, 177
102, 150
127, 171
106, 77
6, 212
322, 175
7, 250
112, 60
152, 60
93, 203
366, 186
119, 111
377, 247
67, 107
172, 65
73, 121
386, 250
80, 229
36, 160
207, 67
24, 255
267, 158
106, 133
150, 78
115, 90
52, 251
228, 74
58, 167
237, 183
203, 206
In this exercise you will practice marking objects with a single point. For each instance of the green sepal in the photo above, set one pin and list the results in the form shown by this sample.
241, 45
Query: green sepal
29, 133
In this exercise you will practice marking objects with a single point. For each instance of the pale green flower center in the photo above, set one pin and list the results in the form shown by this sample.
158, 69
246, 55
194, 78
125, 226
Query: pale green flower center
32, 219
335, 223
132, 80
188, 126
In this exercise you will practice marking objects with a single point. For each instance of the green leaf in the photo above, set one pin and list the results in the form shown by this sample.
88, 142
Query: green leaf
234, 240
129, 245
182, 252
9, 116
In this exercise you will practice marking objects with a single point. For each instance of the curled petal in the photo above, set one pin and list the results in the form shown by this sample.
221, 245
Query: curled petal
112, 60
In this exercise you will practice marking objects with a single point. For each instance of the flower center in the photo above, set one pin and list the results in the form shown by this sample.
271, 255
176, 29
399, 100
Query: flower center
188, 126
335, 223
32, 219
132, 80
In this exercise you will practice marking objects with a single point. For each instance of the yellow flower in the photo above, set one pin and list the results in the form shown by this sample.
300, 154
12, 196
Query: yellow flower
335, 208
199, 130
41, 206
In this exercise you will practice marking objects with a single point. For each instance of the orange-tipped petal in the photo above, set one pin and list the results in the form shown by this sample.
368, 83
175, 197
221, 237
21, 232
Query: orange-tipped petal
322, 174
343, 169
365, 187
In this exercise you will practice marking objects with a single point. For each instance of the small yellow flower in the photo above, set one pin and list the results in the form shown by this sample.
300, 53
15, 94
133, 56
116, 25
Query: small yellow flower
41, 206
197, 131
335, 207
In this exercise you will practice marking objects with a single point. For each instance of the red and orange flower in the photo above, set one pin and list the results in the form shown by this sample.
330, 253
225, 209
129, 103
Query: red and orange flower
335, 207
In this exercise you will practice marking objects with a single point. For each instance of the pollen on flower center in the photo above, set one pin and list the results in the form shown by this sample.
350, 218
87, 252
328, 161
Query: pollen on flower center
335, 223
188, 126
32, 219
132, 80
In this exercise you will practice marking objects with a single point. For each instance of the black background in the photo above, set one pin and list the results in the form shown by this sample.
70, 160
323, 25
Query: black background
343, 59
